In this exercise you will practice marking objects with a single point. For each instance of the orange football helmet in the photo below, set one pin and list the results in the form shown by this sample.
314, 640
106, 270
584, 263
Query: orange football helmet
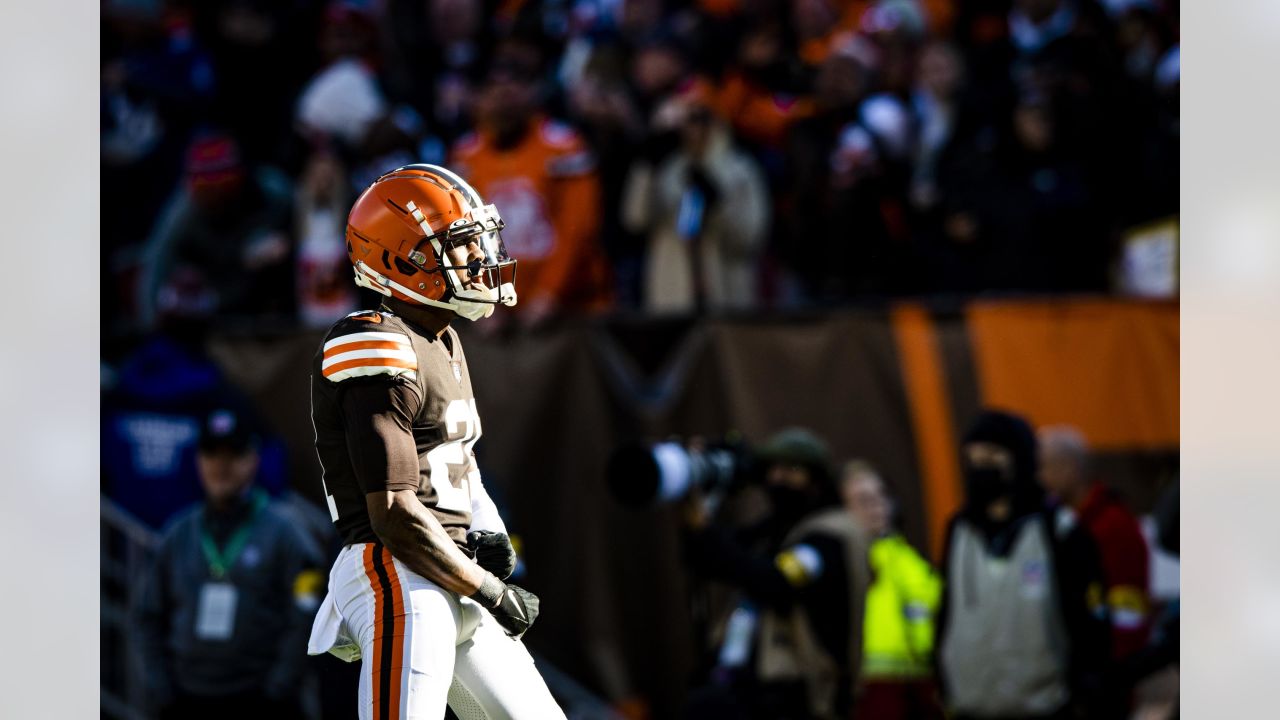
421, 234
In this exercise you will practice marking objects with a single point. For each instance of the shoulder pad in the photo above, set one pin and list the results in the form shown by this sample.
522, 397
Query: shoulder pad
364, 344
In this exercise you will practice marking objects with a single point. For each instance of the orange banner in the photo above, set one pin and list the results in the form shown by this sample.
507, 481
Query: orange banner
1109, 368
928, 400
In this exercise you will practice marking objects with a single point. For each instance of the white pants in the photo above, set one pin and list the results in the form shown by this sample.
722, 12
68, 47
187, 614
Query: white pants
422, 646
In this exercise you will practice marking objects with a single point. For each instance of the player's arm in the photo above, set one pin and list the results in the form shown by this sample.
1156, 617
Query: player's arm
416, 538
378, 419
378, 416
487, 537
484, 513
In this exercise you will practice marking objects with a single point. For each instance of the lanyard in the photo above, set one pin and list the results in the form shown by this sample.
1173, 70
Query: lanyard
221, 562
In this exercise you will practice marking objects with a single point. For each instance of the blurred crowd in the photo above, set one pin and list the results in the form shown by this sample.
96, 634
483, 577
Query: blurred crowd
646, 155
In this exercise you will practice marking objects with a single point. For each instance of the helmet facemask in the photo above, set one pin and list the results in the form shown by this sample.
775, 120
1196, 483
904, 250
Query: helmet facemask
474, 262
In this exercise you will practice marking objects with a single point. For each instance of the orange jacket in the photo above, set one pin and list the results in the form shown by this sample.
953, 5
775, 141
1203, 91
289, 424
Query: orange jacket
547, 192
756, 113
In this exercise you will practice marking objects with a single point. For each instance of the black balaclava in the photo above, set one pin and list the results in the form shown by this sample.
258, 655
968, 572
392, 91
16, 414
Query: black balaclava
801, 447
984, 485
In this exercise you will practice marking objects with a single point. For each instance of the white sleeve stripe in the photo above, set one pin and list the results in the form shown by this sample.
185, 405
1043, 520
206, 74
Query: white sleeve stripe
368, 337
405, 355
368, 370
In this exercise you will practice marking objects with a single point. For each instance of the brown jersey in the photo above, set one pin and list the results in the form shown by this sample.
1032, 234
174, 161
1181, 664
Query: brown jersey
393, 410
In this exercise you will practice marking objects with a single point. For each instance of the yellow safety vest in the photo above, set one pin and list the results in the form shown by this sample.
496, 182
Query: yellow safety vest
897, 636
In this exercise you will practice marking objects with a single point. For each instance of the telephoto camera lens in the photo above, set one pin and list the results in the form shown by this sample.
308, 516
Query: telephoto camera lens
641, 475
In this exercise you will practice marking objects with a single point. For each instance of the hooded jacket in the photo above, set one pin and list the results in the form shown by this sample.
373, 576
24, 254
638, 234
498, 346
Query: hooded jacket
1052, 562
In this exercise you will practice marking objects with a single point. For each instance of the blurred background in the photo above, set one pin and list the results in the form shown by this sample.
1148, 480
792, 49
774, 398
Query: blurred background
867, 218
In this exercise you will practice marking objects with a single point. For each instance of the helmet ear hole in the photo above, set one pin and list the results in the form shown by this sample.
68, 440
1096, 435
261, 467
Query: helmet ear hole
405, 267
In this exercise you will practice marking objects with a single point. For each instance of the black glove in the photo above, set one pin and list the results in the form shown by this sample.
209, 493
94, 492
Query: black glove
493, 552
513, 607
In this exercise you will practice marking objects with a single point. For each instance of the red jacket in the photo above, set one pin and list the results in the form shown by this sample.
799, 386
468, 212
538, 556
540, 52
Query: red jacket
1125, 562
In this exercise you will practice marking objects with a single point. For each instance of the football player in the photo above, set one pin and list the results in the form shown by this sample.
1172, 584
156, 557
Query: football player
417, 593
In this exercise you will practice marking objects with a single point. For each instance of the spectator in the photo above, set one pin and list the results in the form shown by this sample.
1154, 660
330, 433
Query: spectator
1024, 216
542, 178
150, 425
222, 246
954, 143
897, 635
263, 51
1156, 142
1161, 655
1021, 630
705, 211
325, 292
658, 68
613, 125
435, 58
842, 82
227, 607
805, 591
762, 93
1061, 52
344, 98
897, 27
936, 105
157, 82
816, 22
1066, 472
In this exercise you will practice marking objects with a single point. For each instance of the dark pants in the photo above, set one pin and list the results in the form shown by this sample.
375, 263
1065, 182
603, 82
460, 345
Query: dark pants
241, 706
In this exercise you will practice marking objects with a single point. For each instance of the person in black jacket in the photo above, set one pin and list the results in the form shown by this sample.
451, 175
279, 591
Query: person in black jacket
223, 617
792, 646
1022, 630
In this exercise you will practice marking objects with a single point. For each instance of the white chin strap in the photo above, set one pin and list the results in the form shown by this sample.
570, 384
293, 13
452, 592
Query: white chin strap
464, 303
472, 310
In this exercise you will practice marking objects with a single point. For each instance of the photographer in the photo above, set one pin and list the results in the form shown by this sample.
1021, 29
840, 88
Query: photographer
792, 647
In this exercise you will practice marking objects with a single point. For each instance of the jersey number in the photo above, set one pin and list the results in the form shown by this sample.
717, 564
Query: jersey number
460, 416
